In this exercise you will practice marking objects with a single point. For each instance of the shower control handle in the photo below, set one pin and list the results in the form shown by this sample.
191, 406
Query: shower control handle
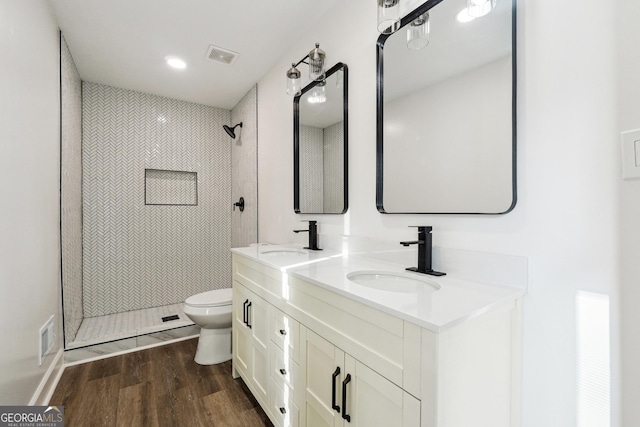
239, 204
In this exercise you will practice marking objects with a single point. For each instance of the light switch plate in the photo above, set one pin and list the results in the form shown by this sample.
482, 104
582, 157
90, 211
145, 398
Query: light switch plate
631, 154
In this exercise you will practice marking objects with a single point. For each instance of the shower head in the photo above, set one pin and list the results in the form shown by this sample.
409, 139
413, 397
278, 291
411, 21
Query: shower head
231, 131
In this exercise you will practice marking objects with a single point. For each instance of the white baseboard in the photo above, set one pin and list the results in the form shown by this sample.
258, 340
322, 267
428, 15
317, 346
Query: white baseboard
49, 382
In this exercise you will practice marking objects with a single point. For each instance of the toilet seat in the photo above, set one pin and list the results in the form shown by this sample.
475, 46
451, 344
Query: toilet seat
215, 298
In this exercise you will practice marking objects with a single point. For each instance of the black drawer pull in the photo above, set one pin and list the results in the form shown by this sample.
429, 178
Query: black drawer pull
248, 307
346, 381
283, 372
244, 311
333, 390
283, 332
283, 410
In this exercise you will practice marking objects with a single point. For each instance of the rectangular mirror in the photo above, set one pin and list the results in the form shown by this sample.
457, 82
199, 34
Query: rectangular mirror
446, 112
320, 145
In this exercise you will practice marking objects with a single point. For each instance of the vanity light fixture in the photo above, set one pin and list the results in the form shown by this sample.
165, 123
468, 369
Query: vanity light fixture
418, 32
176, 63
478, 8
294, 86
316, 63
388, 16
318, 93
315, 60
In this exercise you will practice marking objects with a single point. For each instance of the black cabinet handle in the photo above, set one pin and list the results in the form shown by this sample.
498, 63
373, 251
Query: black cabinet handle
283, 332
333, 390
248, 312
346, 381
244, 311
282, 410
283, 371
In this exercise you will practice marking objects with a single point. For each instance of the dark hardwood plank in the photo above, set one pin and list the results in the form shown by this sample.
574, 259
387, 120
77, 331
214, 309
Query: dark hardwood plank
135, 408
161, 386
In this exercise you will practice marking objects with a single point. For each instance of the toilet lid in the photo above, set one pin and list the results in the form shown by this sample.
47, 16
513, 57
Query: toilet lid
211, 298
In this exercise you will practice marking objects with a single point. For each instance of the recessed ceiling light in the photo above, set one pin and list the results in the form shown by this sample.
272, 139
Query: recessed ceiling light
176, 63
463, 16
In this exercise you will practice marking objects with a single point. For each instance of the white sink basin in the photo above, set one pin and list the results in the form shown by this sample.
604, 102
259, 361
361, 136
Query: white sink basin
392, 281
282, 251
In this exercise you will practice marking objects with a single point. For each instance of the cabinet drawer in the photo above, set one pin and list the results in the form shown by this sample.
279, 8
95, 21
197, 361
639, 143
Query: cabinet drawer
284, 370
284, 410
264, 281
372, 336
285, 333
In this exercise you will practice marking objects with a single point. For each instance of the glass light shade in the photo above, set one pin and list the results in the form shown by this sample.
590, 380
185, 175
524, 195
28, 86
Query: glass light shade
478, 8
388, 16
418, 32
318, 94
316, 63
294, 84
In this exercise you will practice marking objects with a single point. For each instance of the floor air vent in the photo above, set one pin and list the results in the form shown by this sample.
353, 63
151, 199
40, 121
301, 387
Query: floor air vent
219, 54
170, 318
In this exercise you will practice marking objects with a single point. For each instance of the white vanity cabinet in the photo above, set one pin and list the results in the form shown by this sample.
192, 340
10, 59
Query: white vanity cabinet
342, 391
286, 378
321, 358
251, 340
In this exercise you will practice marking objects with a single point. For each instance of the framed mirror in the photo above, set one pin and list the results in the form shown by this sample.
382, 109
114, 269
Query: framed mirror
320, 123
446, 112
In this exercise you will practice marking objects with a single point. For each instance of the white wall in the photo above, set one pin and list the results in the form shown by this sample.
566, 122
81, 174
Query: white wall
30, 176
461, 139
566, 219
629, 291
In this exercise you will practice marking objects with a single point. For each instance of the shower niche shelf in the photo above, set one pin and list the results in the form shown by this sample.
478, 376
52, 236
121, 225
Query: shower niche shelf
170, 188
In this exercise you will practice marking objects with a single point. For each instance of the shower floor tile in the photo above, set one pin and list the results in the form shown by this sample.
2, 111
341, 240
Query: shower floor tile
118, 326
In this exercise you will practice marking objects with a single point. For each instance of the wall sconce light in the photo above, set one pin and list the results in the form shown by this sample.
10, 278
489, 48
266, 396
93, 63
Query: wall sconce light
294, 86
388, 16
418, 32
478, 8
316, 61
318, 93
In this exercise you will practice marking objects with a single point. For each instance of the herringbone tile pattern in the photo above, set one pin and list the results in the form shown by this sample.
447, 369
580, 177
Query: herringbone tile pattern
71, 192
333, 176
244, 170
137, 256
311, 169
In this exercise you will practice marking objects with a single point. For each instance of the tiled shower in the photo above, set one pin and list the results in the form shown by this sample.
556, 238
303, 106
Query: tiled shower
321, 155
146, 204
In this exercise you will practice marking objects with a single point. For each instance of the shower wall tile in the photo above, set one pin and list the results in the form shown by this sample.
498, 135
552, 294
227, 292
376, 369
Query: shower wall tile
71, 192
244, 154
333, 176
311, 169
137, 256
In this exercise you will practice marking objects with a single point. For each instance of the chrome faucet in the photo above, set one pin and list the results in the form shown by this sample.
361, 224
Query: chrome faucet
424, 252
313, 236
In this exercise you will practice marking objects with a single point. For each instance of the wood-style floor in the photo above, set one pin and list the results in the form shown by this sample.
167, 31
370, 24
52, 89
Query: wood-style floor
161, 386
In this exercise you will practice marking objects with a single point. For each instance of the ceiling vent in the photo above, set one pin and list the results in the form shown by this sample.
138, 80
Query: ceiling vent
219, 54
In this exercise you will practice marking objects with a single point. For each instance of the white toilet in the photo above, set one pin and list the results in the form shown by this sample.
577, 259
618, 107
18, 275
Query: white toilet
212, 312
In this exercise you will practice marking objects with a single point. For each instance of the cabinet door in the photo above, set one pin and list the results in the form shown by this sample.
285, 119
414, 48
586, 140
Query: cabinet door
241, 333
370, 400
324, 368
251, 336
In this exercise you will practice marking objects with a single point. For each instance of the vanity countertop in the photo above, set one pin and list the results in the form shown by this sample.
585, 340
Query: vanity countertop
285, 257
457, 300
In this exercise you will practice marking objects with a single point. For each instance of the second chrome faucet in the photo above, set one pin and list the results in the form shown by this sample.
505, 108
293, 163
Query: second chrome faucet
424, 252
